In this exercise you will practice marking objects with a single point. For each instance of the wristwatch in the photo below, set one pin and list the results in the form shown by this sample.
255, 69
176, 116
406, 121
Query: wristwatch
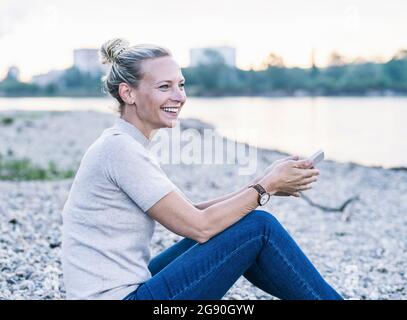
264, 196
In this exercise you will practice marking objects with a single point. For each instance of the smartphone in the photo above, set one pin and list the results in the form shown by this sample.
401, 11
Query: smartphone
317, 157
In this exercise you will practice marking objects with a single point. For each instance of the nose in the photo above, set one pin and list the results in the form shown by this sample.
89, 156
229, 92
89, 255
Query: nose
179, 95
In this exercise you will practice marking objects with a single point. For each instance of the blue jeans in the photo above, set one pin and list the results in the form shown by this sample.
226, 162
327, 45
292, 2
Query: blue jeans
257, 247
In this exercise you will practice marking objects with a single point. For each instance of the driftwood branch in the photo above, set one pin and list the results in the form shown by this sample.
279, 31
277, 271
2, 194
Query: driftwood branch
324, 208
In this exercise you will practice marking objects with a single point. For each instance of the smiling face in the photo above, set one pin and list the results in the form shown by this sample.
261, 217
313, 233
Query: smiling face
160, 94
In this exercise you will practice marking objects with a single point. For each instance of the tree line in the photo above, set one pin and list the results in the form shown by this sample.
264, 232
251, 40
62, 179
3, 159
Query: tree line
216, 78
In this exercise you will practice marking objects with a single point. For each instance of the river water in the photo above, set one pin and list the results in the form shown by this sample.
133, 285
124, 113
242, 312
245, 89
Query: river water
365, 130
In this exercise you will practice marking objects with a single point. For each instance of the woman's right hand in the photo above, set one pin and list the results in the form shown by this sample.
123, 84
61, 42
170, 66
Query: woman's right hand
290, 177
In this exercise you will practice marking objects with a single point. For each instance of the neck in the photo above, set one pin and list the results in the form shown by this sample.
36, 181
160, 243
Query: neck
132, 118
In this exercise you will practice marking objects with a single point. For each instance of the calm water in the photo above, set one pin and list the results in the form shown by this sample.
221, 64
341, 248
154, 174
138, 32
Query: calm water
371, 131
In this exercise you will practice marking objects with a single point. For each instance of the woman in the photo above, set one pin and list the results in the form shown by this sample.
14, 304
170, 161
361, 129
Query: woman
120, 191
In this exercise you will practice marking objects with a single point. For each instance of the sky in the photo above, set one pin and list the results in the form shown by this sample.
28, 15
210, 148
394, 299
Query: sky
40, 35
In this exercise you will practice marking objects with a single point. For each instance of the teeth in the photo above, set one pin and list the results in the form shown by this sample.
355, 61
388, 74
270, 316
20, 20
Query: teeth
171, 109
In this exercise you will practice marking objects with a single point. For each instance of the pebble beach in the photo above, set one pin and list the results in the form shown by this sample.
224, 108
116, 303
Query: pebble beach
352, 225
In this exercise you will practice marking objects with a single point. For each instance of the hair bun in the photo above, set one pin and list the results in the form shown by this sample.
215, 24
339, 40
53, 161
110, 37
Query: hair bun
111, 49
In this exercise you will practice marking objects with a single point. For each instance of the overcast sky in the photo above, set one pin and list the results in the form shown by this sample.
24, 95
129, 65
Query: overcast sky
39, 35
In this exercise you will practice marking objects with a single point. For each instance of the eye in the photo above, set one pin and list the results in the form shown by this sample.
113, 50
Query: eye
182, 85
164, 86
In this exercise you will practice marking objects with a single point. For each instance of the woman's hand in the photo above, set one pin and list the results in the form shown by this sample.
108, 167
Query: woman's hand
273, 165
270, 168
277, 162
290, 177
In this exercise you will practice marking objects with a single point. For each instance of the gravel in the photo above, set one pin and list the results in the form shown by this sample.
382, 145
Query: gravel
361, 251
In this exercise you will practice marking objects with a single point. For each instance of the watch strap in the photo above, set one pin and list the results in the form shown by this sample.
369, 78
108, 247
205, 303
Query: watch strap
260, 190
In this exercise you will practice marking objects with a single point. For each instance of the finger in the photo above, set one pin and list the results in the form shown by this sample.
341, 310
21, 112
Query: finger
304, 187
284, 194
287, 159
292, 158
294, 194
303, 164
311, 173
309, 180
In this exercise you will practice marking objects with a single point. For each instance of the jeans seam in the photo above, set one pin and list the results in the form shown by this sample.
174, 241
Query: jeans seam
304, 282
278, 288
216, 266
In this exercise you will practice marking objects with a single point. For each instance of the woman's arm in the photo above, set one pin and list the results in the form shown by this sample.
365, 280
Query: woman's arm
177, 214
181, 217
205, 204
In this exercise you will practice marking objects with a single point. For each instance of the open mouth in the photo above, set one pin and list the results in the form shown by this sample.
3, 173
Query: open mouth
171, 110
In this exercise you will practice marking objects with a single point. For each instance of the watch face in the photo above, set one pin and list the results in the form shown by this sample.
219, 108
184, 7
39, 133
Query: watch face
264, 199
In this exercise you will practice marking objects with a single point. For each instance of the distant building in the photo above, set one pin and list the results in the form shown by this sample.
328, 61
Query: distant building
13, 73
199, 55
42, 80
87, 60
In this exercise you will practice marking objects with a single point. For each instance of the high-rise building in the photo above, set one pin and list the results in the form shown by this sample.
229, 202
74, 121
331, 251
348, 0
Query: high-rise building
201, 56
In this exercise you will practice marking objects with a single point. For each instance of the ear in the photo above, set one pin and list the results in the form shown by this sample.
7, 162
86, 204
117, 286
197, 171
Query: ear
127, 93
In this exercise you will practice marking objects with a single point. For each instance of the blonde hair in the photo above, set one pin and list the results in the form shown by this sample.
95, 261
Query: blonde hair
125, 64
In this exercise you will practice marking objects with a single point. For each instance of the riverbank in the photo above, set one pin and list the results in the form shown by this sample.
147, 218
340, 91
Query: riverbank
361, 250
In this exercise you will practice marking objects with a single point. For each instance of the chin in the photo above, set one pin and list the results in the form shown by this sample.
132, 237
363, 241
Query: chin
170, 123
